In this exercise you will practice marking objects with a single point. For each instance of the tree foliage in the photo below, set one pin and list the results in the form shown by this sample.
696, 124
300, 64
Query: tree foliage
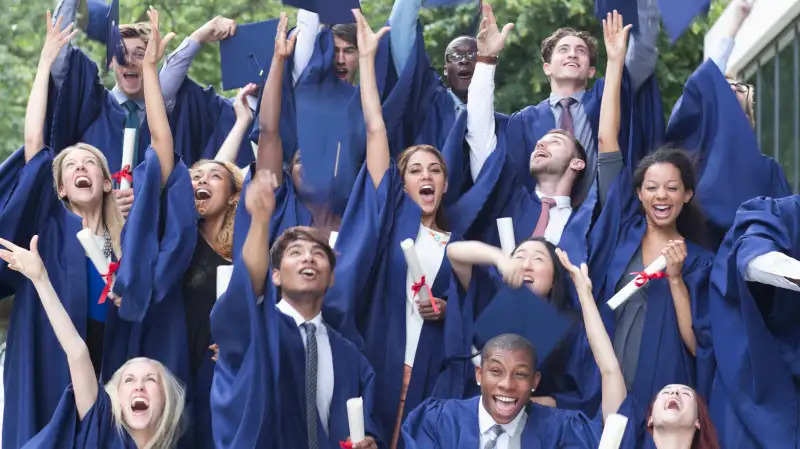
520, 80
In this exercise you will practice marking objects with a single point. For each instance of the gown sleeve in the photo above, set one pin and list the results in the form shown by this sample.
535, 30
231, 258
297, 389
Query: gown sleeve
421, 428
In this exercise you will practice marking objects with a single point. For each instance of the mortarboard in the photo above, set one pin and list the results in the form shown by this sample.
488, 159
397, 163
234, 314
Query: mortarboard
103, 27
331, 12
246, 56
628, 8
677, 15
519, 311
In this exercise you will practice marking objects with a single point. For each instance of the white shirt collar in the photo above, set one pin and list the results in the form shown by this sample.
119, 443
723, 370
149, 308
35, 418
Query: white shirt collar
287, 308
485, 421
578, 96
561, 201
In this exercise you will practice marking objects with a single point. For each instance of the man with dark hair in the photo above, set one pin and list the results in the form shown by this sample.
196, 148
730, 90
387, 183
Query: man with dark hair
301, 372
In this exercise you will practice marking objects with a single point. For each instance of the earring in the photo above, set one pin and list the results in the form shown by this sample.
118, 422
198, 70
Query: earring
533, 390
479, 384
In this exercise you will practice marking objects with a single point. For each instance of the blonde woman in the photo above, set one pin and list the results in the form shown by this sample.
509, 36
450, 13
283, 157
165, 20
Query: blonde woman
140, 407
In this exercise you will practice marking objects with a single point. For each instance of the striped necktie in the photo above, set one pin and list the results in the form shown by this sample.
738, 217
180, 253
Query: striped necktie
493, 434
311, 384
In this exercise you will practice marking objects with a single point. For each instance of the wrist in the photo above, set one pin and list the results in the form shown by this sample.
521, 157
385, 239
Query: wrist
676, 280
488, 58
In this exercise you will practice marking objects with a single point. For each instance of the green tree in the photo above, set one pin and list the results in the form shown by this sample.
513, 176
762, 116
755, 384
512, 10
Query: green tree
520, 80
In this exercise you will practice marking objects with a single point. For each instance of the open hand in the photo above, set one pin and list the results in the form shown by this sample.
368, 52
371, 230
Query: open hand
240, 104
580, 276
284, 46
615, 34
19, 259
260, 197
56, 39
156, 46
367, 40
490, 39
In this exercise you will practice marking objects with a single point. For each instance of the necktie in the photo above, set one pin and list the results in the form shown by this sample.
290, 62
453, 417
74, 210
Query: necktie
132, 121
565, 122
493, 434
311, 383
544, 216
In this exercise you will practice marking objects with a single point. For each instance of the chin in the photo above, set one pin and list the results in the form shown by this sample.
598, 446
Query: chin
138, 422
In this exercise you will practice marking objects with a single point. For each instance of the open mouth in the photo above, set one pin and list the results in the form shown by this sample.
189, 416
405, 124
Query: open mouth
139, 406
662, 211
465, 74
672, 404
202, 194
130, 76
83, 182
427, 193
505, 404
341, 72
572, 64
527, 279
308, 274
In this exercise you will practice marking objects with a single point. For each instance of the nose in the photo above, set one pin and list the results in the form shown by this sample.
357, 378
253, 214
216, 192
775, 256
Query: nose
661, 193
505, 383
339, 57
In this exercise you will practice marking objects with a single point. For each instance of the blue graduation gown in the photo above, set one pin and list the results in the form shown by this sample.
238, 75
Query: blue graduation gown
96, 430
443, 424
614, 240
258, 391
756, 340
32, 383
372, 270
708, 121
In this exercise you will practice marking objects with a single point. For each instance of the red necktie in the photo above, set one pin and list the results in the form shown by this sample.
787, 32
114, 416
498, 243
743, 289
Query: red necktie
544, 216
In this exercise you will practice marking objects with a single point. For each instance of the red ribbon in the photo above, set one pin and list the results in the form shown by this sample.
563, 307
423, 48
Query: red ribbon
417, 287
125, 173
109, 278
346, 444
642, 277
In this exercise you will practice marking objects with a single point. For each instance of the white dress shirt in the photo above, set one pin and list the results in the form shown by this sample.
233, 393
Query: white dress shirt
559, 215
480, 135
511, 438
324, 360
429, 247
773, 269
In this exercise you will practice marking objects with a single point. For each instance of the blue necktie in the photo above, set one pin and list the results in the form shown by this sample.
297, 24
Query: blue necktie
311, 384
132, 121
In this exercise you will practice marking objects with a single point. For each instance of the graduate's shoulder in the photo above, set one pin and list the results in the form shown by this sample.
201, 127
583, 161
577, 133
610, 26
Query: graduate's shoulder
453, 410
529, 112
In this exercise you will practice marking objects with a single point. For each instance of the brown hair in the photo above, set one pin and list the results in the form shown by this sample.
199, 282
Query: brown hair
347, 32
580, 153
294, 234
224, 240
706, 436
139, 30
750, 101
112, 217
549, 44
402, 166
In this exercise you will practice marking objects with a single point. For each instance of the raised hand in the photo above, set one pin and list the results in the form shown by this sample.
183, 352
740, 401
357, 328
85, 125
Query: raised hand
284, 46
260, 196
240, 105
56, 39
367, 40
580, 276
490, 39
744, 7
675, 253
615, 34
29, 263
157, 45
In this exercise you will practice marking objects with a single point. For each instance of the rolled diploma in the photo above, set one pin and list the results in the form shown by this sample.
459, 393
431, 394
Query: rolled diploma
332, 239
128, 143
414, 267
627, 291
93, 251
505, 227
355, 417
613, 432
224, 274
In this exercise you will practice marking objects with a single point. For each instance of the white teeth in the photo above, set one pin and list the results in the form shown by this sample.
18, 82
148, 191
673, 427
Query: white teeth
661, 208
82, 181
308, 272
202, 194
426, 189
505, 399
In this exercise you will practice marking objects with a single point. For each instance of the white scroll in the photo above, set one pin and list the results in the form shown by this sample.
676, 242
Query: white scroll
224, 274
128, 147
613, 431
505, 227
414, 268
355, 417
623, 295
332, 239
94, 252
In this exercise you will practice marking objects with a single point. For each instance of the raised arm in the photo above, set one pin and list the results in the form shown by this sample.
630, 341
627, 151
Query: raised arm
229, 150
720, 50
66, 13
643, 55
160, 132
260, 203
613, 384
81, 371
377, 140
307, 29
466, 254
403, 20
270, 146
37, 102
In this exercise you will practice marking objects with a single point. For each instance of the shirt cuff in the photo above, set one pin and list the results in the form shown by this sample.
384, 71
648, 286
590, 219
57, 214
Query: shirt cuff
772, 269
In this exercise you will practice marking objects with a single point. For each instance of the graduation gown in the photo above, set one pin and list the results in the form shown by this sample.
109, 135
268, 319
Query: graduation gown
33, 377
708, 121
258, 391
443, 424
756, 340
96, 430
84, 111
613, 242
372, 269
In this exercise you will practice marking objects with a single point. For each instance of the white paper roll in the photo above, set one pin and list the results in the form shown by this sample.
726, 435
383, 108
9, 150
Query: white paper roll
128, 147
355, 417
414, 268
623, 295
332, 239
94, 252
224, 274
613, 431
505, 227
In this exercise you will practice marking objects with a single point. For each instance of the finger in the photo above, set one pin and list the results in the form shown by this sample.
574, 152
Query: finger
357, 15
8, 244
382, 31
507, 29
482, 27
35, 245
166, 40
57, 25
6, 255
70, 36
585, 270
292, 40
233, 28
49, 18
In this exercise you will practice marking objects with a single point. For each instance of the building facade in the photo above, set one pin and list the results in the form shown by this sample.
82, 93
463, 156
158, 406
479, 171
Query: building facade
767, 56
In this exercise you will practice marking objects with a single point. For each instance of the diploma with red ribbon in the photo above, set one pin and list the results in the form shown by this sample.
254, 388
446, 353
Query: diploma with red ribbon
417, 275
123, 178
106, 270
654, 271
355, 417
128, 148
